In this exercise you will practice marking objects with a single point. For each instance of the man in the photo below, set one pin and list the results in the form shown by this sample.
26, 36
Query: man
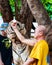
40, 50
5, 46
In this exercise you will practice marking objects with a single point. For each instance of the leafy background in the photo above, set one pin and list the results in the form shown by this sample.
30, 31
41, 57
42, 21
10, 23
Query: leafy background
12, 3
46, 3
48, 6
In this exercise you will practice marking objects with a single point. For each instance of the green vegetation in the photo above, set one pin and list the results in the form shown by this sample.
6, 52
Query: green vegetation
48, 6
12, 4
18, 3
0, 14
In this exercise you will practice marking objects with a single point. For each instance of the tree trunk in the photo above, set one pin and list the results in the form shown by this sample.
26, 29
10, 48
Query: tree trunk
39, 12
24, 16
49, 40
6, 11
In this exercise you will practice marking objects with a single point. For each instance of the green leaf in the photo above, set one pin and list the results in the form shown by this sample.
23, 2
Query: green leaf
48, 6
0, 14
19, 4
12, 4
50, 1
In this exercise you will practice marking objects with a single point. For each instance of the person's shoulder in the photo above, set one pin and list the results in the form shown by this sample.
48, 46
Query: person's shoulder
1, 38
44, 44
0, 35
43, 41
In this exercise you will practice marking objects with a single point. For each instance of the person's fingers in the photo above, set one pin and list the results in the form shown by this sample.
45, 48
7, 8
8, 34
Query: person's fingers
2, 63
13, 24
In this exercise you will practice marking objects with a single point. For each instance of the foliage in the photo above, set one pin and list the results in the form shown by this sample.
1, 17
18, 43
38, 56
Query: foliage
12, 3
48, 6
0, 14
18, 3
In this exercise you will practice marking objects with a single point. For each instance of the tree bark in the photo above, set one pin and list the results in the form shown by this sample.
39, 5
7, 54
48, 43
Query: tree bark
24, 16
39, 12
6, 11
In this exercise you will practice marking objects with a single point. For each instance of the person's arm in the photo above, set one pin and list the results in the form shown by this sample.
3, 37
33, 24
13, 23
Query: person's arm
29, 61
30, 42
1, 63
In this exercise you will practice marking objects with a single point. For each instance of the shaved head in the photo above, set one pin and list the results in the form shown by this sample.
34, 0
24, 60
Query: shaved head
41, 28
40, 31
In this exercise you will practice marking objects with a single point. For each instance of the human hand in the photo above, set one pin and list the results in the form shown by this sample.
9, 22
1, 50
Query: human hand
1, 63
14, 25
